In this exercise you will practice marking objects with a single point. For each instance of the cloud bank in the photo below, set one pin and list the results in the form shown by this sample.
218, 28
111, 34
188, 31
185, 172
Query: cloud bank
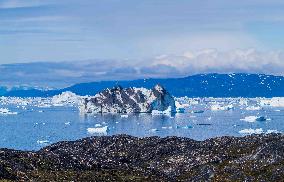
61, 74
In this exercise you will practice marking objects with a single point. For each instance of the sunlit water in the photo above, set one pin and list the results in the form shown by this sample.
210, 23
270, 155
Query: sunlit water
34, 128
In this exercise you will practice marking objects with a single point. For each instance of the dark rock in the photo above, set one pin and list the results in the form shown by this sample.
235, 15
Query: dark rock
126, 158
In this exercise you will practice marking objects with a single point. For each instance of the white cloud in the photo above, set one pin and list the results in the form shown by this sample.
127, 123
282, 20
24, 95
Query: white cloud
10, 4
212, 60
61, 74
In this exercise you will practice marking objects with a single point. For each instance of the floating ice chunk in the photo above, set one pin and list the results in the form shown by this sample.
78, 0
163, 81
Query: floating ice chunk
154, 130
252, 119
165, 112
253, 108
6, 111
98, 125
251, 131
40, 111
272, 131
98, 130
165, 127
42, 141
65, 98
222, 108
124, 116
67, 123
277, 110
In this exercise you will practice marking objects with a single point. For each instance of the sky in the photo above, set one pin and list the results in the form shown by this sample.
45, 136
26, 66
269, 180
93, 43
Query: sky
154, 38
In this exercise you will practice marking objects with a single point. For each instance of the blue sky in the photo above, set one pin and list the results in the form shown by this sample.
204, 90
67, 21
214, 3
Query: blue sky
52, 30
199, 35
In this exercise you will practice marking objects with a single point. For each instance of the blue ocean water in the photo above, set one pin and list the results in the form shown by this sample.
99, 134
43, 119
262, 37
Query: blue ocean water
34, 128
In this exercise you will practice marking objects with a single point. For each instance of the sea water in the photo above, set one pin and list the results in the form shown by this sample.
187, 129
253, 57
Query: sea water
35, 127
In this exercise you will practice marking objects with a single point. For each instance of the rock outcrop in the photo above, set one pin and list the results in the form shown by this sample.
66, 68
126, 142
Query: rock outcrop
126, 158
129, 100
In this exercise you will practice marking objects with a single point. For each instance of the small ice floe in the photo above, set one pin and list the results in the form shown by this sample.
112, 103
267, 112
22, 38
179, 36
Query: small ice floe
42, 141
165, 127
165, 112
198, 111
251, 131
98, 125
124, 116
99, 130
277, 110
40, 111
252, 119
272, 131
253, 108
209, 118
6, 111
154, 130
222, 108
67, 123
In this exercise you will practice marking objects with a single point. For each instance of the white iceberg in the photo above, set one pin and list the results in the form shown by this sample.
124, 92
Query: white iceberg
253, 108
165, 112
222, 108
42, 141
98, 130
251, 131
6, 111
252, 119
272, 131
124, 116
65, 98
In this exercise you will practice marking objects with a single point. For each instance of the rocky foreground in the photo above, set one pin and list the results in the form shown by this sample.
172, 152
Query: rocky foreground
126, 158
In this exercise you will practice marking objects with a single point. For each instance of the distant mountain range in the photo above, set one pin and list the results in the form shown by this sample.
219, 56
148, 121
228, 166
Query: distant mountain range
202, 85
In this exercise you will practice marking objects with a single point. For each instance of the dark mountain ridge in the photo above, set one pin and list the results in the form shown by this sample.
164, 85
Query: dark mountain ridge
201, 85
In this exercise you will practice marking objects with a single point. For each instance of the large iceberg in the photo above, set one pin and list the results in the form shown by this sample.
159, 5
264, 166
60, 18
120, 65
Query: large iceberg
129, 100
